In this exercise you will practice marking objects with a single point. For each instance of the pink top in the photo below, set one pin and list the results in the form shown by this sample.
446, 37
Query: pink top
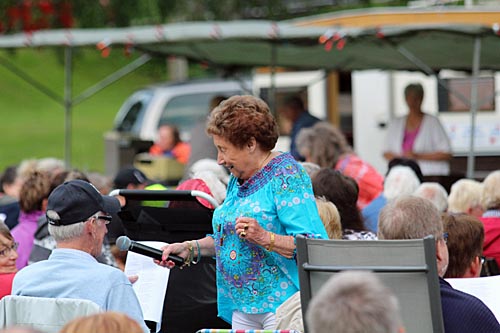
24, 233
409, 139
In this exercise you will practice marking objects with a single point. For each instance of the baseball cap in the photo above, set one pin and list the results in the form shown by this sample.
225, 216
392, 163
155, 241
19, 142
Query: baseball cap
130, 175
77, 200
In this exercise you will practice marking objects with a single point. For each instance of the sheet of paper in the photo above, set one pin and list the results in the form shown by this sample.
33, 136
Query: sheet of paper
151, 286
485, 288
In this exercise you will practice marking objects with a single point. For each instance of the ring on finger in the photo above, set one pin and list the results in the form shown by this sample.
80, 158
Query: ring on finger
245, 227
243, 234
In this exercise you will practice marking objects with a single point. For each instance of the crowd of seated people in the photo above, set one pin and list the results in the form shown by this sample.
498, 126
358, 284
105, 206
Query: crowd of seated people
352, 203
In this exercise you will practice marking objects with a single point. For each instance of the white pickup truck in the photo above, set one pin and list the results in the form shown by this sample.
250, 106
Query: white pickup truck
183, 104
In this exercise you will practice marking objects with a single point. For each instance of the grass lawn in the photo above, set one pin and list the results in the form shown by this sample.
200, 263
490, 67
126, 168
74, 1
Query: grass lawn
32, 124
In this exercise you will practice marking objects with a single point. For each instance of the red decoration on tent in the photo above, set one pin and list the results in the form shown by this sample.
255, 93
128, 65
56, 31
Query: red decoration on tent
322, 39
329, 45
379, 33
105, 47
329, 38
341, 44
129, 46
326, 36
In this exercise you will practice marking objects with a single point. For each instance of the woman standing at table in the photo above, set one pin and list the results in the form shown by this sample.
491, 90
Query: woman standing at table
419, 136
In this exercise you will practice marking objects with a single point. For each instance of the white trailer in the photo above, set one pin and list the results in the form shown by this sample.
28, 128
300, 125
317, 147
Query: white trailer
378, 96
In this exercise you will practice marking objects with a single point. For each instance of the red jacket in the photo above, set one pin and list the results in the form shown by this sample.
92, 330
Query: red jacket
370, 182
491, 246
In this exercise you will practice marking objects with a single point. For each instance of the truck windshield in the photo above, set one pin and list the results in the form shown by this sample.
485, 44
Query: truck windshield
185, 110
131, 114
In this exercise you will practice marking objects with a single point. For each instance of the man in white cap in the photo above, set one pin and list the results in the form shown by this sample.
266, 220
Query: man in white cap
77, 214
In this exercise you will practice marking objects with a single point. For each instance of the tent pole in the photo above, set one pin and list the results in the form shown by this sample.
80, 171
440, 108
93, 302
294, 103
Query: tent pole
473, 106
31, 80
272, 93
68, 69
110, 79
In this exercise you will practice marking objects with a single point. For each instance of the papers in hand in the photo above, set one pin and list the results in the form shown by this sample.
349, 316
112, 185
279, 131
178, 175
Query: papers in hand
151, 286
485, 288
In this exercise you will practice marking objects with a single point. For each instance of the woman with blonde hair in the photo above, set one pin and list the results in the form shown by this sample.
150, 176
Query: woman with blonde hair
330, 216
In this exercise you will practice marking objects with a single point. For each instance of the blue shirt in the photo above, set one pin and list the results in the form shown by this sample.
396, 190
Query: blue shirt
72, 273
251, 279
464, 313
305, 120
371, 211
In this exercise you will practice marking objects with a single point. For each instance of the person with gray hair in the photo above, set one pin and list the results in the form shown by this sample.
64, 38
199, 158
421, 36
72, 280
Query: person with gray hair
400, 180
208, 176
311, 168
50, 165
465, 197
434, 192
77, 214
412, 217
490, 199
354, 302
325, 145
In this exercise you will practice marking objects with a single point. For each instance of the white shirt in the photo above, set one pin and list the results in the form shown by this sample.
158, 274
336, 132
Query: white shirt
431, 138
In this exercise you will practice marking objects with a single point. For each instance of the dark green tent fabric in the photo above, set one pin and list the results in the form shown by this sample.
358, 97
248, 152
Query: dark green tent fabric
264, 43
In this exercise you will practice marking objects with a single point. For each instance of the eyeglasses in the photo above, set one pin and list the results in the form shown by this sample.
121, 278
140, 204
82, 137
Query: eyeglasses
105, 218
5, 252
445, 237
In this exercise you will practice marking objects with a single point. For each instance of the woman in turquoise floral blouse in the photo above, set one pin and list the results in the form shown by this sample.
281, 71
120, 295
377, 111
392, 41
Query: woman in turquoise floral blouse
269, 201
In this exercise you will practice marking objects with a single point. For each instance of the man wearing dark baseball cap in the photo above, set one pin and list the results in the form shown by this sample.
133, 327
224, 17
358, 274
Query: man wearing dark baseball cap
130, 178
78, 214
76, 201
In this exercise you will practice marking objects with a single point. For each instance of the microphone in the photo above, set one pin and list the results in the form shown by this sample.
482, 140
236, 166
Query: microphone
126, 244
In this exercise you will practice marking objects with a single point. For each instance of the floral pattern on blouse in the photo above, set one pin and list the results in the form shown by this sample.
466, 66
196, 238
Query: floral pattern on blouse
251, 279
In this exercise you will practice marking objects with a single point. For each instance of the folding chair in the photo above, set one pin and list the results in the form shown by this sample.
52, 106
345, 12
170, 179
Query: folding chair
45, 314
407, 267
191, 300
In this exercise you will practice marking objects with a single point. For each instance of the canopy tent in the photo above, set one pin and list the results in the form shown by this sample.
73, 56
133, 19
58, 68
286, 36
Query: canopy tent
426, 48
264, 43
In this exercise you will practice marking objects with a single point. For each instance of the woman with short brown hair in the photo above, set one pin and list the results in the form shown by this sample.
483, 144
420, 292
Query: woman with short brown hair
269, 201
